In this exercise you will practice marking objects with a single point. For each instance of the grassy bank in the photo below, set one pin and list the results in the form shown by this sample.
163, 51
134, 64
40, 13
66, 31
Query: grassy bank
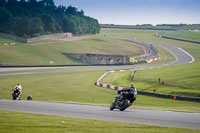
188, 74
148, 79
31, 123
149, 36
50, 51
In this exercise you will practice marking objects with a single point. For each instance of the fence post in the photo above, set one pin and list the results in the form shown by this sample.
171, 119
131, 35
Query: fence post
174, 97
132, 74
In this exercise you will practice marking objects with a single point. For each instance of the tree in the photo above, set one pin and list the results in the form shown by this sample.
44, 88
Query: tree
81, 13
31, 17
32, 3
12, 2
49, 23
2, 3
48, 3
71, 10
23, 3
5, 17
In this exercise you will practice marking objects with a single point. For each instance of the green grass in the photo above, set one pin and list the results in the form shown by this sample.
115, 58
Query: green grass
181, 75
147, 102
149, 36
76, 88
12, 122
60, 87
42, 52
188, 35
188, 74
131, 34
3, 40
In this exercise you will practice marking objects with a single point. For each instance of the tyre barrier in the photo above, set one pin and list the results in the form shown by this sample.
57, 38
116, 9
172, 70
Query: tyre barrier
153, 59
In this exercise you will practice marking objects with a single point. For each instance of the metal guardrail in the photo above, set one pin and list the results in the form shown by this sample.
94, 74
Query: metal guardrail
140, 92
182, 98
175, 38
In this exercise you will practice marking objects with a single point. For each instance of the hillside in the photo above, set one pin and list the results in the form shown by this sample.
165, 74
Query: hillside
50, 52
183, 79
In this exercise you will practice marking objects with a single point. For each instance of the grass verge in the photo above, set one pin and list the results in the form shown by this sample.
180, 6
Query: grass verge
32, 123
147, 80
74, 87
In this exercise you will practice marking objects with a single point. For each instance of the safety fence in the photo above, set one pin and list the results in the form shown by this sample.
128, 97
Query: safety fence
153, 94
174, 97
167, 83
175, 38
141, 92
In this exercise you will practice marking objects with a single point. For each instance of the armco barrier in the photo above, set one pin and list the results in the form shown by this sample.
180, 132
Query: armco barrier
179, 39
153, 94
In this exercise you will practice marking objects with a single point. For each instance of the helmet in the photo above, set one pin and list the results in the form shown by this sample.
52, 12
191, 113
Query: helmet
132, 85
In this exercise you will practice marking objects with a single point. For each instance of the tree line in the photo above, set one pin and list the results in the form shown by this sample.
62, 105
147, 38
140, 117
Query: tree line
33, 18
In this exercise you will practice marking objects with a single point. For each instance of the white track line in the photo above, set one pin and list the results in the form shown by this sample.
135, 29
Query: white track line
188, 55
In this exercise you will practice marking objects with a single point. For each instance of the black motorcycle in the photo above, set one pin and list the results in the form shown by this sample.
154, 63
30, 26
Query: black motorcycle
16, 95
124, 100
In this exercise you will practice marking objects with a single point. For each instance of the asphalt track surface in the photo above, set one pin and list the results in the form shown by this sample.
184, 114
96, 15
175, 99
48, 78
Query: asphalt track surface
149, 117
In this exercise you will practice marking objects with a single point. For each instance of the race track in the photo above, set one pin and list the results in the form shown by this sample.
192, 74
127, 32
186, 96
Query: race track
182, 57
149, 117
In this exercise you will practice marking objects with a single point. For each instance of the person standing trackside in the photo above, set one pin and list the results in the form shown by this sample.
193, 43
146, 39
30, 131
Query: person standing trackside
159, 80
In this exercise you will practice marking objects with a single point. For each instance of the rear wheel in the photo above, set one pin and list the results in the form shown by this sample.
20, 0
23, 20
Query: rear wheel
14, 96
124, 106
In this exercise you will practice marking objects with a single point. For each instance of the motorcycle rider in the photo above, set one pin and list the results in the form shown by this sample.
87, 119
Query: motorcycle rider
18, 87
132, 89
124, 98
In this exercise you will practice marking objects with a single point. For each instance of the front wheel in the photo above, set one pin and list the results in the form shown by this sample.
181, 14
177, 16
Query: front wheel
112, 106
122, 109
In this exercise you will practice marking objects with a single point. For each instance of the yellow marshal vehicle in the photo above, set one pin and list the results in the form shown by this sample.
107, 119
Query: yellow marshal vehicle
132, 60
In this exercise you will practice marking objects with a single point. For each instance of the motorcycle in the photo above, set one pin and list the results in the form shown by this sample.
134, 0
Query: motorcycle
16, 95
123, 100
